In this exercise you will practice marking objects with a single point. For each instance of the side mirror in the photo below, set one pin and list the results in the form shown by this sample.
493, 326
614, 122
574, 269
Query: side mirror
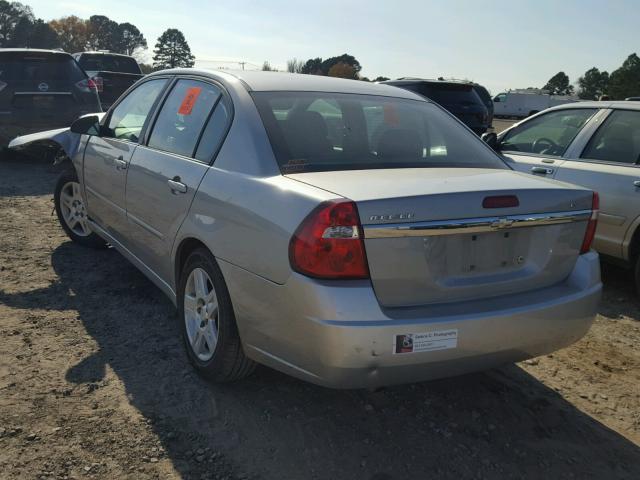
87, 125
491, 139
496, 100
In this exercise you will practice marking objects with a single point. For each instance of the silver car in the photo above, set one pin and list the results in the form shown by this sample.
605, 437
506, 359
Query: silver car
346, 233
594, 144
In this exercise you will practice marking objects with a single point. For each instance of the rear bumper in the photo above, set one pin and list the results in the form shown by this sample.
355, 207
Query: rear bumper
339, 336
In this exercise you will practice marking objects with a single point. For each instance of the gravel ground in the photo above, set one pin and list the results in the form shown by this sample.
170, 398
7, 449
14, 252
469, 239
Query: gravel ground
94, 384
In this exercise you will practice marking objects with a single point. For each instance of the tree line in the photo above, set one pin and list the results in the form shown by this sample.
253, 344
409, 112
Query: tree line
622, 83
342, 66
20, 28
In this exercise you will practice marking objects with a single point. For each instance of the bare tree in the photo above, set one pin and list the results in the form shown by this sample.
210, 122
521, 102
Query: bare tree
294, 65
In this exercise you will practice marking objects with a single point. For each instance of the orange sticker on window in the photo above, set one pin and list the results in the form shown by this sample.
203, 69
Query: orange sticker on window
391, 114
189, 100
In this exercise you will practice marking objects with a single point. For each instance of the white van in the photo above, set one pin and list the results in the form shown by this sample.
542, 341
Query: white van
523, 103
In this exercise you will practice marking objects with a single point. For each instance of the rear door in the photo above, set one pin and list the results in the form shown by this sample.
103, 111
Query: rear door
538, 145
107, 157
609, 164
165, 174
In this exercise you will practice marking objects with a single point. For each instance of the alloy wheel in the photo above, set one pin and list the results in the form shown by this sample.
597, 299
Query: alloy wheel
201, 314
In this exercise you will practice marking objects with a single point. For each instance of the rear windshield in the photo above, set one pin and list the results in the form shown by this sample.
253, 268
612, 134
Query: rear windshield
312, 131
30, 68
446, 94
108, 63
483, 93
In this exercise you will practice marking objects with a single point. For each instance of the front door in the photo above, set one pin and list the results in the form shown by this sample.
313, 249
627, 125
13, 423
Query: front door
537, 146
107, 157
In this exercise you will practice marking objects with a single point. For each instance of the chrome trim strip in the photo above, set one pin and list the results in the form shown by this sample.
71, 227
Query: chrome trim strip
66, 94
473, 225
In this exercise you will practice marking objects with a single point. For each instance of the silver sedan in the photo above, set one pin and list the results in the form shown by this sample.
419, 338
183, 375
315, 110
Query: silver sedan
347, 233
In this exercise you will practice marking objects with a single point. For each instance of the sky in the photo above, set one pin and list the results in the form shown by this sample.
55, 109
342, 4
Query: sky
499, 44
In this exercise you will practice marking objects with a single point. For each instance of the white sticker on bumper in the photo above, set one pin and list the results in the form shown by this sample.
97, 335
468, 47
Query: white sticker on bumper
425, 342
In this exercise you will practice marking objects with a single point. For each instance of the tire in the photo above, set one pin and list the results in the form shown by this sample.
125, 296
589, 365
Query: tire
200, 288
71, 211
636, 272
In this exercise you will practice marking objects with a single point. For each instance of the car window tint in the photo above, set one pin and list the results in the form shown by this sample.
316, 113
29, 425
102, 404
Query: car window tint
549, 134
58, 71
314, 131
128, 117
213, 132
182, 117
617, 140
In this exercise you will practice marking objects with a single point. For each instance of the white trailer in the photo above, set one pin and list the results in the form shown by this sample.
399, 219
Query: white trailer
523, 103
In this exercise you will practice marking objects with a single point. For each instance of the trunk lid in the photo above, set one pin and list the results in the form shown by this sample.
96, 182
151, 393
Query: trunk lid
429, 239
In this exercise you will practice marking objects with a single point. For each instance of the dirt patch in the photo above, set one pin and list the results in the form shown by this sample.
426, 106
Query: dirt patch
94, 384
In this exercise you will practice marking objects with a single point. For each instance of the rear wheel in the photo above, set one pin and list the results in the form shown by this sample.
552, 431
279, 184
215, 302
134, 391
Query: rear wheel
636, 271
72, 213
208, 323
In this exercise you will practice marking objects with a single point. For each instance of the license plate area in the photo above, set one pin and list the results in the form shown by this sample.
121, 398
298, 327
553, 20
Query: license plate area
491, 253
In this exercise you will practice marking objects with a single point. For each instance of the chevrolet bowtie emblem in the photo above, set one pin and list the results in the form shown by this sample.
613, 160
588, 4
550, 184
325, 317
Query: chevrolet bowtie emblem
502, 223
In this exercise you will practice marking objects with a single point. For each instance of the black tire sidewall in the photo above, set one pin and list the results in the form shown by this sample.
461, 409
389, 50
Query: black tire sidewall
227, 330
636, 274
93, 240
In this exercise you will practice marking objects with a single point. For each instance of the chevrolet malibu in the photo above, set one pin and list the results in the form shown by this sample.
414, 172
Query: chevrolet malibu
346, 233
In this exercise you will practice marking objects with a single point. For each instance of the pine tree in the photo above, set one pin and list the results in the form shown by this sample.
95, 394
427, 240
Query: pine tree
172, 50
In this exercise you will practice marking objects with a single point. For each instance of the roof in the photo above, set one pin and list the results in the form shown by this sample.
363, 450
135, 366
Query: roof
32, 50
444, 81
98, 52
260, 81
624, 104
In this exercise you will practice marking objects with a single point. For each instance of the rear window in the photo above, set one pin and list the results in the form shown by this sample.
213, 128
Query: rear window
108, 63
329, 131
446, 93
35, 68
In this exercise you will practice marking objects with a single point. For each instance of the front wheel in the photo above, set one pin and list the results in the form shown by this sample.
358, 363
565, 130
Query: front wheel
72, 213
208, 322
637, 274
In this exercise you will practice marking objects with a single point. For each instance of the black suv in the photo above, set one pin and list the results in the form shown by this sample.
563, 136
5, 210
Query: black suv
458, 97
112, 73
41, 90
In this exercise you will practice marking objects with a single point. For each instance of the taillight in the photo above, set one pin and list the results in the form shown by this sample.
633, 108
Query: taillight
98, 82
329, 243
90, 85
591, 226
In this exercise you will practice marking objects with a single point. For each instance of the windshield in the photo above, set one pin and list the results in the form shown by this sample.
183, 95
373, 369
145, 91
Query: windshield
109, 63
447, 94
312, 131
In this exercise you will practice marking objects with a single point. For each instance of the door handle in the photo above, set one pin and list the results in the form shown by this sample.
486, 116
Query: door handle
636, 183
177, 186
542, 170
120, 163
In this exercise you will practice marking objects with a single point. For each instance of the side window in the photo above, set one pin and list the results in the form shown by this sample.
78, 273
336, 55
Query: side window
214, 131
548, 134
617, 140
184, 113
128, 116
501, 97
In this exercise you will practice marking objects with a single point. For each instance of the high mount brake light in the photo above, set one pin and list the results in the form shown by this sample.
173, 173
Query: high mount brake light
501, 201
329, 243
591, 226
